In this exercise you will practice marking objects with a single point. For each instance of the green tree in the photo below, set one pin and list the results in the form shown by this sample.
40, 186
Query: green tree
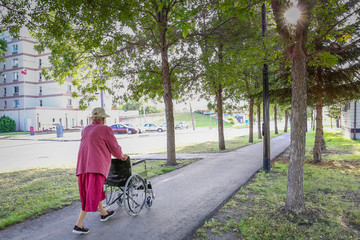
137, 46
230, 42
300, 48
7, 124
3, 47
333, 72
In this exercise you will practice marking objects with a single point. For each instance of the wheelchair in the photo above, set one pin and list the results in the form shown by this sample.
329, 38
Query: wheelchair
132, 191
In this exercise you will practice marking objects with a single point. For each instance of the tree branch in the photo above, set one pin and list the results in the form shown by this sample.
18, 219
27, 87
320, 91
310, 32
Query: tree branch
333, 26
334, 50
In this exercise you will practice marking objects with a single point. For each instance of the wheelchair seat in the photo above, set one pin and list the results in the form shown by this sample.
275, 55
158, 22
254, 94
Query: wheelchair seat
119, 172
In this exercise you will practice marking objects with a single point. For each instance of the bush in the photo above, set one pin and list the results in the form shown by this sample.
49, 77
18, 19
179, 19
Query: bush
198, 111
232, 120
7, 124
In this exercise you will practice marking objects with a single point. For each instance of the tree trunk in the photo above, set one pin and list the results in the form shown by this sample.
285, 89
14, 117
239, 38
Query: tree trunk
275, 119
331, 120
323, 144
312, 119
319, 142
286, 120
219, 106
258, 109
317, 150
295, 201
251, 120
167, 95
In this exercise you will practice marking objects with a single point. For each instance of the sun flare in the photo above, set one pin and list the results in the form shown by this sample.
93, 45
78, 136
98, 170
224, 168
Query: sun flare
292, 15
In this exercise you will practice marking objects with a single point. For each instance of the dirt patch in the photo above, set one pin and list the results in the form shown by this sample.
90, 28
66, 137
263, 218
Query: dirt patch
352, 164
284, 157
308, 217
331, 152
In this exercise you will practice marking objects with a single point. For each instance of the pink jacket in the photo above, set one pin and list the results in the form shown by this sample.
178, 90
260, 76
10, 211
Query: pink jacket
97, 145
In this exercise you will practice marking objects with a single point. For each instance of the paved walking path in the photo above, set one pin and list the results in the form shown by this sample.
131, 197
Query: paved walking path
184, 199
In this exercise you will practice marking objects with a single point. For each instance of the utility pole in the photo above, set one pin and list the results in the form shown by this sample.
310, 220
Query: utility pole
102, 98
101, 91
192, 117
266, 115
355, 120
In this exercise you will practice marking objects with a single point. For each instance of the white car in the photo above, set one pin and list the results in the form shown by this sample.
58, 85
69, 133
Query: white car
149, 127
181, 125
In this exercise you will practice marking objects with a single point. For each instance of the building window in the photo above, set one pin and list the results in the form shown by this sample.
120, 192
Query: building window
4, 65
16, 90
69, 88
40, 62
69, 102
16, 104
41, 103
15, 62
53, 120
40, 76
15, 76
5, 104
4, 91
40, 90
15, 48
4, 78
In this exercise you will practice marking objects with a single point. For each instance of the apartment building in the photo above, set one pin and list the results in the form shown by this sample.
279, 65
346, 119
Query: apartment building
350, 120
30, 99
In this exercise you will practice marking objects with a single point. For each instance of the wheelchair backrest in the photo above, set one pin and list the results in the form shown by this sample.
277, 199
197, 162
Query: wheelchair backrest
119, 169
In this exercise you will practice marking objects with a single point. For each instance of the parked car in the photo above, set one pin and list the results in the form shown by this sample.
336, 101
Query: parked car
181, 125
149, 127
129, 125
122, 129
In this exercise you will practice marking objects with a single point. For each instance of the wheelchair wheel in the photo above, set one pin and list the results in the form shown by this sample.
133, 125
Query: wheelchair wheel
134, 195
112, 194
149, 195
149, 201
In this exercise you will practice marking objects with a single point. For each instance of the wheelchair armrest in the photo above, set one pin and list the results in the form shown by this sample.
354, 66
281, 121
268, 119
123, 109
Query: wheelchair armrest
137, 162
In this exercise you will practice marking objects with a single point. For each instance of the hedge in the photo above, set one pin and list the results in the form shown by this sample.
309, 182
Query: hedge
7, 124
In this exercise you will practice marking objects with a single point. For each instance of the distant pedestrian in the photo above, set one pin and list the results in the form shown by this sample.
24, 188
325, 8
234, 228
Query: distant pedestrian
97, 145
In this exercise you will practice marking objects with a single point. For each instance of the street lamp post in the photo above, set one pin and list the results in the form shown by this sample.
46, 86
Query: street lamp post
266, 115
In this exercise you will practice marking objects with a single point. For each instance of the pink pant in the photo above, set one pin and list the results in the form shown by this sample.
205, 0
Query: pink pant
91, 189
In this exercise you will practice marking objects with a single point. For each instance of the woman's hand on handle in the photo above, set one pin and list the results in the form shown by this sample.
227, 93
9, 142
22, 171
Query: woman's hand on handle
125, 157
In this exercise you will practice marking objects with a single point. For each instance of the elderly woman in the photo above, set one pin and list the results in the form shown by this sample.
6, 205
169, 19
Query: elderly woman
97, 145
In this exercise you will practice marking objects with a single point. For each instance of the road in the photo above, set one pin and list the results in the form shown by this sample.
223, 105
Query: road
26, 152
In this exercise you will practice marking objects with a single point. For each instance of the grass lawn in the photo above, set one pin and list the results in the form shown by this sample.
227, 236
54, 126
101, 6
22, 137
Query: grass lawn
14, 133
332, 195
199, 119
213, 146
